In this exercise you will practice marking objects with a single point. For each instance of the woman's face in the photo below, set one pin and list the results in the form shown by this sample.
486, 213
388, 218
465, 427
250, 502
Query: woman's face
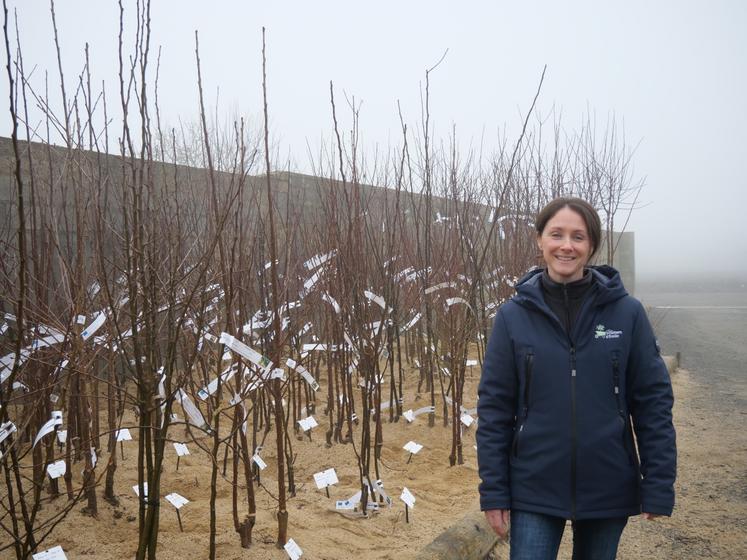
565, 246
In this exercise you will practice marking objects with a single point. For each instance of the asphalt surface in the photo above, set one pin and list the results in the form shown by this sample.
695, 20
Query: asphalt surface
709, 329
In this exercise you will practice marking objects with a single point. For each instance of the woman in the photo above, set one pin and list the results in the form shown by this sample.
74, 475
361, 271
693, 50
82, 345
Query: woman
571, 372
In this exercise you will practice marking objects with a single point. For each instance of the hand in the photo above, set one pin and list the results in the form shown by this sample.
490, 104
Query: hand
650, 516
498, 520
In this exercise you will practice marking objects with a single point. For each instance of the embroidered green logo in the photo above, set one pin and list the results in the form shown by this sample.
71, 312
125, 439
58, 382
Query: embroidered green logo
601, 332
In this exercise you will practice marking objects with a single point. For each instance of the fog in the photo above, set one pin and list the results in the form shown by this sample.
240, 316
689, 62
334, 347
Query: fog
674, 72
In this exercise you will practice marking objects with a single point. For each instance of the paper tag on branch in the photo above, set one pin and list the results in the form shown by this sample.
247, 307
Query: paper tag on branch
409, 415
195, 416
223, 378
309, 284
294, 551
303, 372
466, 419
317, 346
440, 286
56, 469
325, 478
62, 436
455, 300
259, 462
407, 497
332, 301
250, 354
181, 449
176, 500
136, 488
54, 553
307, 423
470, 363
318, 260
350, 503
49, 425
411, 323
378, 487
124, 435
425, 410
91, 329
6, 429
412, 447
378, 300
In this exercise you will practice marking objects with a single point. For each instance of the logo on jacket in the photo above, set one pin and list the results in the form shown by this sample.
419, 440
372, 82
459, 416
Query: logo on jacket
601, 332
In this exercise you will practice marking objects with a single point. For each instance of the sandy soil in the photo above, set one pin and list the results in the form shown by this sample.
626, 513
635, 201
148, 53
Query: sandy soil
710, 520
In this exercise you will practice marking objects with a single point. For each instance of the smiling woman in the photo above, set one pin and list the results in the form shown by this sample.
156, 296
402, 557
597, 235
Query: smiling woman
575, 403
568, 235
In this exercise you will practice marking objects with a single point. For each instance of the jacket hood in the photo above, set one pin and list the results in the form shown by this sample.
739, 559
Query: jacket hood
607, 286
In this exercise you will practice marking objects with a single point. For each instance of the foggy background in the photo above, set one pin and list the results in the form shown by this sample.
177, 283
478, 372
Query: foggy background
674, 73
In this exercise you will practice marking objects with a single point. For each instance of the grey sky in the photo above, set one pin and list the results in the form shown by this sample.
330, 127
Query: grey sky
675, 72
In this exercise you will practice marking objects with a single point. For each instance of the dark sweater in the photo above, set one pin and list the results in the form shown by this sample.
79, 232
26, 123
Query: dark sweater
565, 300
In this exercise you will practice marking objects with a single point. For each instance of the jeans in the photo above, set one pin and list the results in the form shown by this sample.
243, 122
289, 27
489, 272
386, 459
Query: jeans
535, 536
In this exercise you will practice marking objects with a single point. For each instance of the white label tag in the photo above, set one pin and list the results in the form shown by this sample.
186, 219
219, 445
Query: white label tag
137, 489
56, 469
49, 425
412, 447
307, 423
124, 435
6, 429
425, 410
294, 551
89, 331
466, 419
54, 553
325, 478
181, 449
407, 497
176, 500
260, 463
350, 503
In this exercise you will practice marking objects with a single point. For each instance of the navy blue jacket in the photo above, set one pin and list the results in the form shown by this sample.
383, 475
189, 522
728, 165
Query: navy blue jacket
555, 408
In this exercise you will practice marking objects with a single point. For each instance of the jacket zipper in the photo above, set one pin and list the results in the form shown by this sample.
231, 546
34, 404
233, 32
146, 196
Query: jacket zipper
574, 435
528, 364
573, 432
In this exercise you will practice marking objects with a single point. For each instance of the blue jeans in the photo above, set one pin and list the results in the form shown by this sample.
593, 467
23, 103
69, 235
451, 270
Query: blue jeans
535, 536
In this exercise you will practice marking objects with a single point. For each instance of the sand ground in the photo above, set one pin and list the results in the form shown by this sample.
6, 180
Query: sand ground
710, 519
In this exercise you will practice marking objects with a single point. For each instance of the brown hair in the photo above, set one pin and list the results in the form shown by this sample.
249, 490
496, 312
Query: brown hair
580, 207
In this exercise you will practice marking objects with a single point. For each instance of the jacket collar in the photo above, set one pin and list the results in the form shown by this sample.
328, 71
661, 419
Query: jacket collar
607, 287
